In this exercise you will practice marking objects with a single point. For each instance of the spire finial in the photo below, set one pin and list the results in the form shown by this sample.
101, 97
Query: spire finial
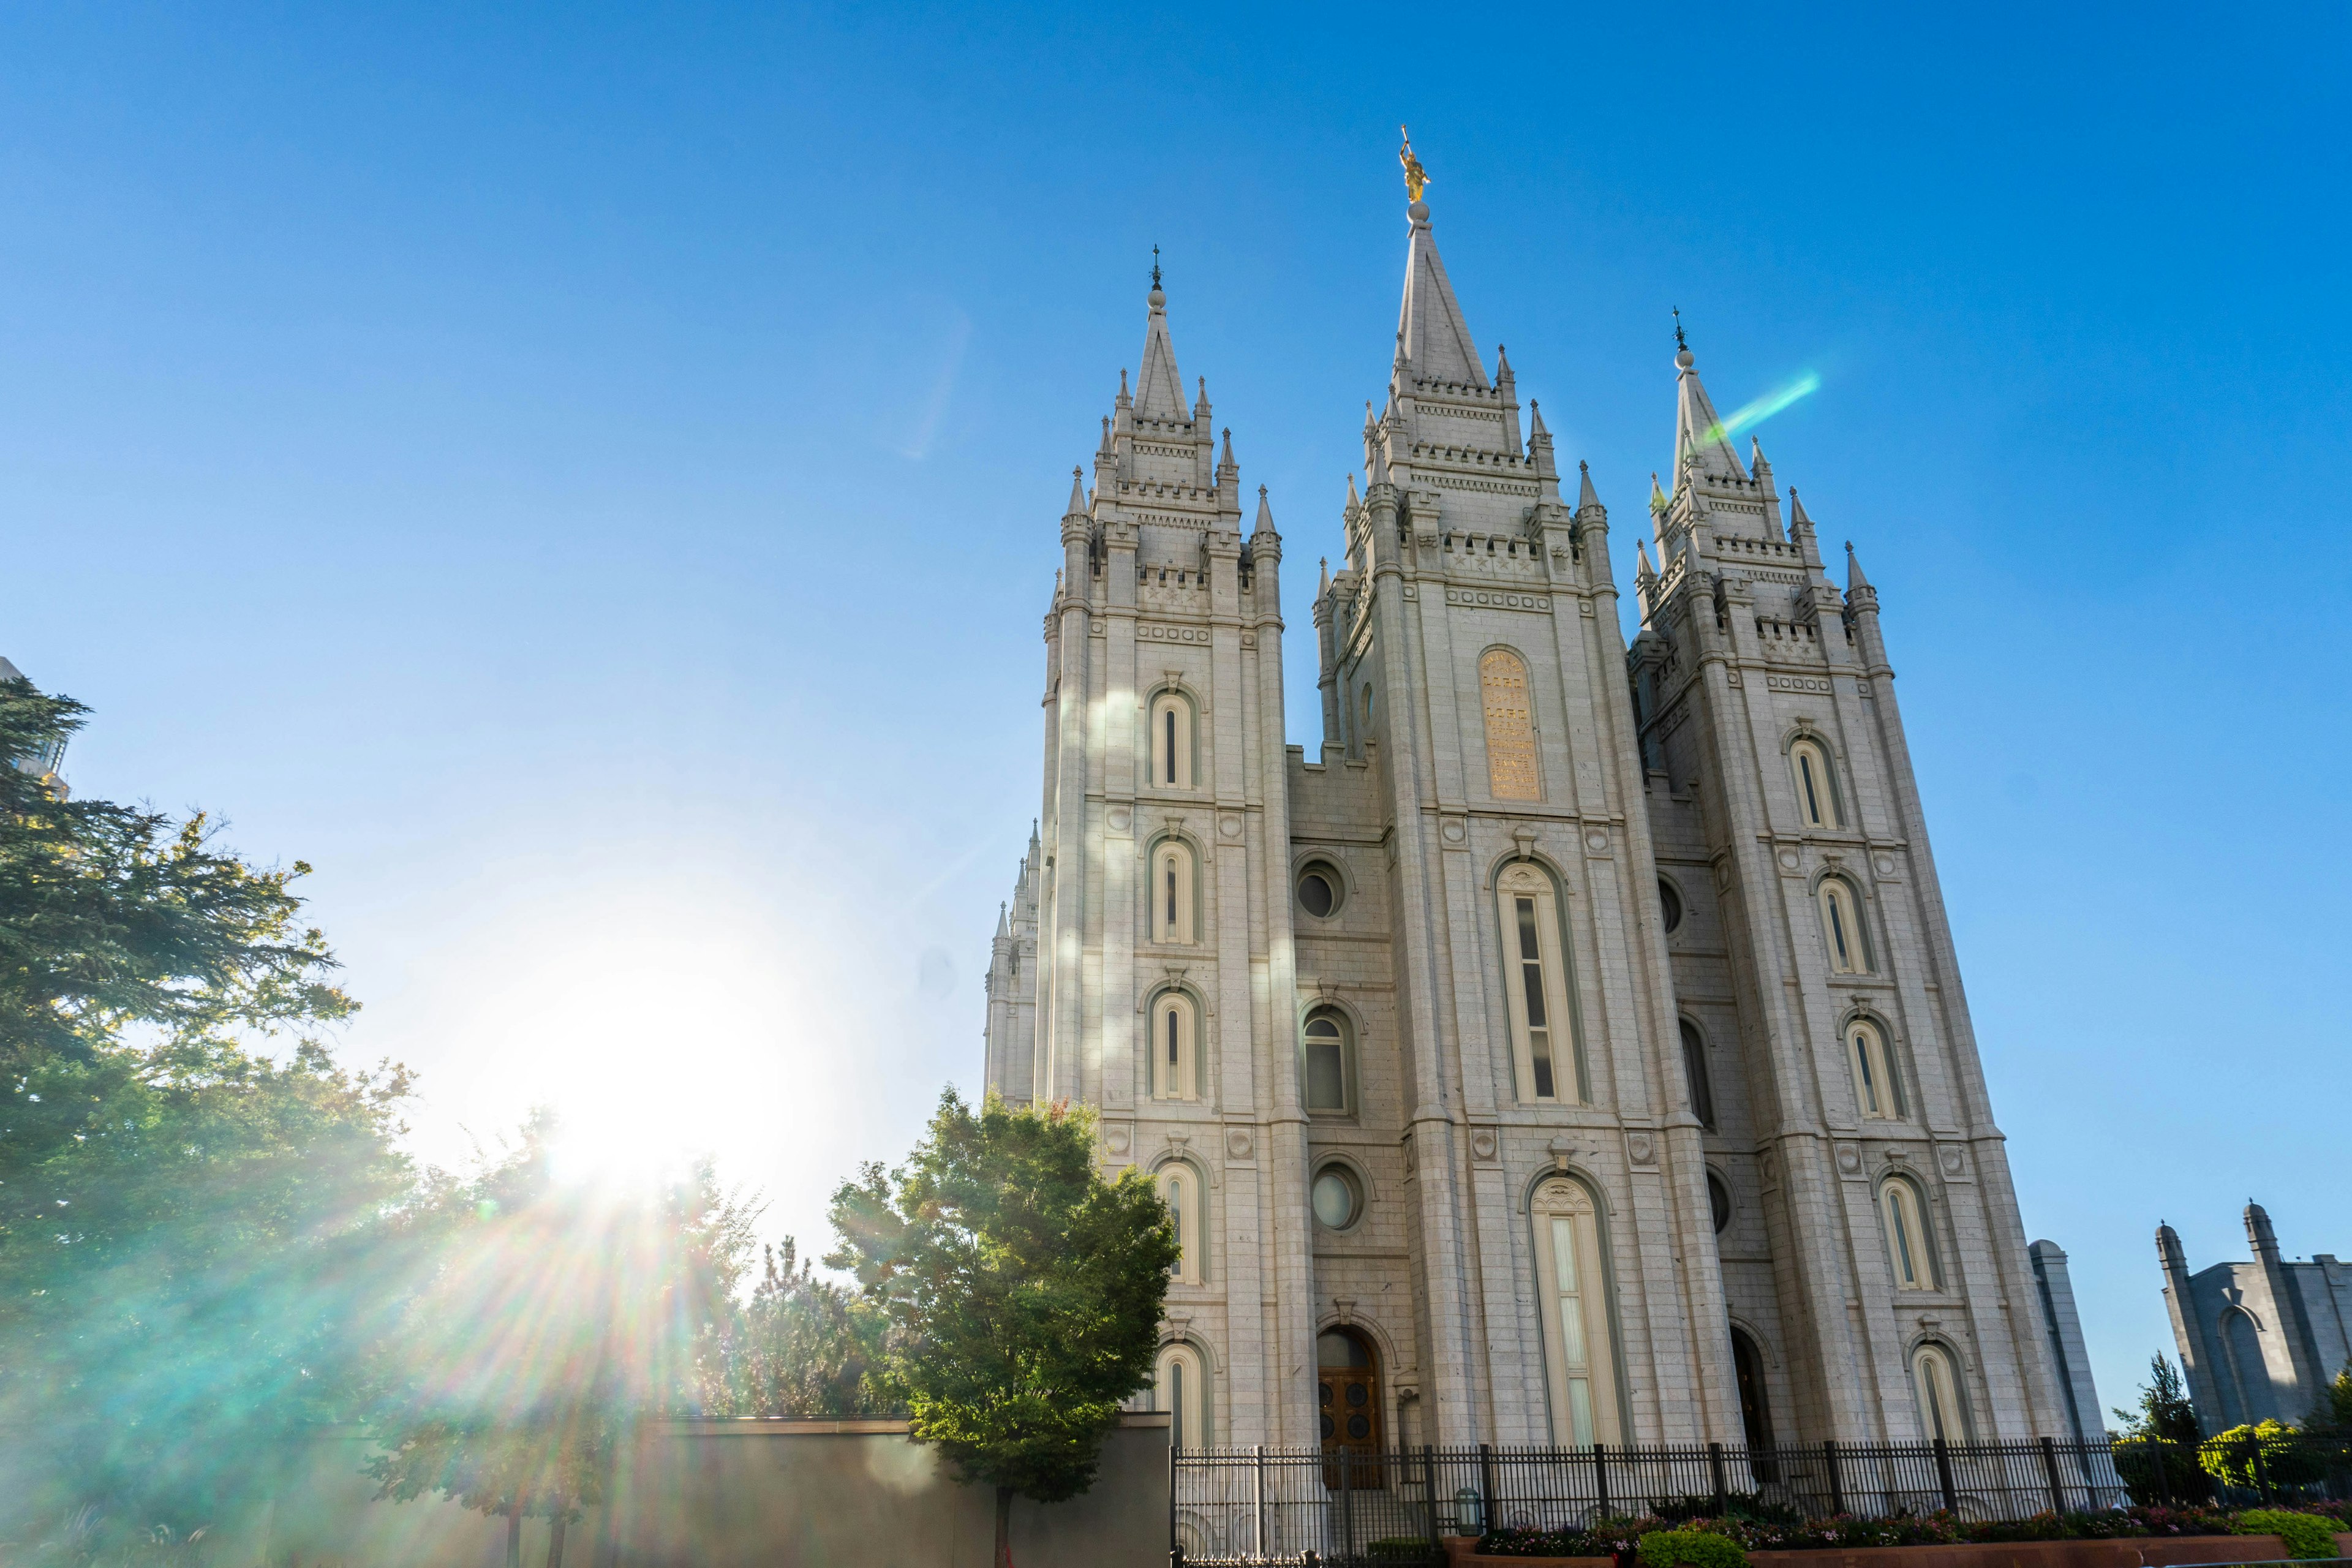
1155, 267
1416, 178
1679, 342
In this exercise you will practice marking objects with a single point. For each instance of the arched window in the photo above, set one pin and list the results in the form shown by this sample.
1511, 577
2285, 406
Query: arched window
1701, 1088
1510, 727
1174, 884
1910, 1244
1841, 928
1535, 981
1718, 1202
2241, 1343
1171, 741
1330, 1075
1175, 1032
1580, 1340
1817, 803
1942, 1414
1874, 1085
1180, 1189
1179, 1387
1670, 907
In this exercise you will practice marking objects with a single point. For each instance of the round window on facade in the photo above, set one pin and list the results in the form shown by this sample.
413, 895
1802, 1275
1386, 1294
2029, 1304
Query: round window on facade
1718, 1202
1339, 1201
1670, 904
1320, 889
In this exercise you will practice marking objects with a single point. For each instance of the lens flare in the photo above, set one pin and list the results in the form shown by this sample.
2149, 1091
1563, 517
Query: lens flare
1768, 404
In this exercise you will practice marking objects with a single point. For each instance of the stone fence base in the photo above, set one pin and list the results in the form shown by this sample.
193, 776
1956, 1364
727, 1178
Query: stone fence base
2136, 1552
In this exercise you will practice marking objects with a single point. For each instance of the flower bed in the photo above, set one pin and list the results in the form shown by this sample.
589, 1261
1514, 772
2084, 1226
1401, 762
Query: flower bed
1620, 1538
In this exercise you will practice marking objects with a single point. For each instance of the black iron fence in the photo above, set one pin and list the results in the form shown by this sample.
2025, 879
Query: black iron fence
1231, 1507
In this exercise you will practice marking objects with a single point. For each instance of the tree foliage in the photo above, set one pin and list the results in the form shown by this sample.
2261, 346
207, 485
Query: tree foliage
800, 1346
192, 1232
1027, 1289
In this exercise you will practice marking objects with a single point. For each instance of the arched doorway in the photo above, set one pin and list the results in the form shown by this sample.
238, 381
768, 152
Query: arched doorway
1348, 1378
1755, 1411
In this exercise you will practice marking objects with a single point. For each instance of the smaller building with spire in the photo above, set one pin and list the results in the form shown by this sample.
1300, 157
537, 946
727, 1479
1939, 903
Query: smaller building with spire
2260, 1340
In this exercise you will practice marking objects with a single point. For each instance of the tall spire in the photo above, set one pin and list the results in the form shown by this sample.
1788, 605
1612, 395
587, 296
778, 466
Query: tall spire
1158, 390
1430, 331
1697, 431
1264, 523
1854, 578
1585, 494
1077, 507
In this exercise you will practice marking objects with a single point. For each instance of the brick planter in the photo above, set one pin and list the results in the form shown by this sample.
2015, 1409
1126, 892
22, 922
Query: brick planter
2131, 1551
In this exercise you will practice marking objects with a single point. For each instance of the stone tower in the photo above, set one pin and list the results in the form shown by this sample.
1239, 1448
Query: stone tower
1557, 1057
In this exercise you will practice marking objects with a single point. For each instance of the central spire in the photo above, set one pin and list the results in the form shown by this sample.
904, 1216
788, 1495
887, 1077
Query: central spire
1158, 390
1431, 333
1698, 434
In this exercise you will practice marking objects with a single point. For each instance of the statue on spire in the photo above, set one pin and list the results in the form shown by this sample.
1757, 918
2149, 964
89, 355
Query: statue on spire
1415, 177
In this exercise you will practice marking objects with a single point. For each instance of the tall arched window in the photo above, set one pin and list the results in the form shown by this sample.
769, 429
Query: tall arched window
1580, 1340
1510, 727
1816, 802
1180, 1189
1535, 981
1841, 928
1702, 1088
1754, 1405
1175, 1031
1875, 1087
1179, 1387
1941, 1411
1910, 1244
1330, 1075
1173, 885
1171, 741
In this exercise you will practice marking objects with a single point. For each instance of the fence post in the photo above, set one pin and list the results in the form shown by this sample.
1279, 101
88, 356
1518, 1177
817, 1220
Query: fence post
2154, 1447
1715, 1463
1175, 1543
1257, 1498
1347, 1500
2261, 1472
2050, 1468
1429, 1486
1600, 1477
1486, 1480
1837, 1486
1943, 1476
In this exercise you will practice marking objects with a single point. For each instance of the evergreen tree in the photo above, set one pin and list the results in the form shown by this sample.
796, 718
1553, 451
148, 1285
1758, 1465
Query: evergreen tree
2164, 1408
801, 1346
194, 1233
1026, 1288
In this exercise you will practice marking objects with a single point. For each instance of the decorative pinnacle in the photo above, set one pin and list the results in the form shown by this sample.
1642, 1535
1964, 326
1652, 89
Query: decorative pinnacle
1415, 177
1155, 267
1678, 315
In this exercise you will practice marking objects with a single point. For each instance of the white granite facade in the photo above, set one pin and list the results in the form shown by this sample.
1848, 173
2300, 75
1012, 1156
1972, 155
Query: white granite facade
1481, 725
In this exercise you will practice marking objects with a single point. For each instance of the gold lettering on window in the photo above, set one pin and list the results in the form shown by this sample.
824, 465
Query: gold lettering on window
1510, 728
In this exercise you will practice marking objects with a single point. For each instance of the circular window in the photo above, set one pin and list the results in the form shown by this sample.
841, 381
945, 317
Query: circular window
1338, 1201
1671, 903
1718, 1202
1319, 890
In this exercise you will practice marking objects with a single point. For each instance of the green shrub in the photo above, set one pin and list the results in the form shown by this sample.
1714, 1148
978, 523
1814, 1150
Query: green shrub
1693, 1548
2285, 1458
2158, 1470
2306, 1535
1398, 1549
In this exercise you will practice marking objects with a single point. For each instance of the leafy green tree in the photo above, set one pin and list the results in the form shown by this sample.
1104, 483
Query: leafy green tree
2164, 1410
1026, 1288
2156, 1450
2331, 1413
800, 1346
194, 1232
557, 1316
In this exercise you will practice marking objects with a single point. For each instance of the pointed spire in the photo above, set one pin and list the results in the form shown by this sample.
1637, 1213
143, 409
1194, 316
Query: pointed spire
1503, 376
1225, 461
1123, 399
1658, 496
1535, 431
1158, 390
1105, 448
1264, 523
1431, 333
1003, 924
1323, 585
1698, 432
1585, 494
1643, 573
1854, 578
1353, 499
1797, 518
1756, 463
1078, 494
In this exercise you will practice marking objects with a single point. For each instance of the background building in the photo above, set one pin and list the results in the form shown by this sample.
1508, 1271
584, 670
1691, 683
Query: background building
1573, 1049
2260, 1340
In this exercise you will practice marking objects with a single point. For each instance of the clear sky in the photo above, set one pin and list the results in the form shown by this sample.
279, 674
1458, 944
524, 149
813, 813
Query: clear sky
588, 480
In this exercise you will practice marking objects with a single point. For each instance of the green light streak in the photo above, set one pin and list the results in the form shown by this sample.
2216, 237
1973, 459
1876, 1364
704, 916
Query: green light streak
1768, 404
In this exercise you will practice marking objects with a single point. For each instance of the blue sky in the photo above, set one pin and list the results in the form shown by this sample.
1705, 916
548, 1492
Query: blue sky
588, 479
